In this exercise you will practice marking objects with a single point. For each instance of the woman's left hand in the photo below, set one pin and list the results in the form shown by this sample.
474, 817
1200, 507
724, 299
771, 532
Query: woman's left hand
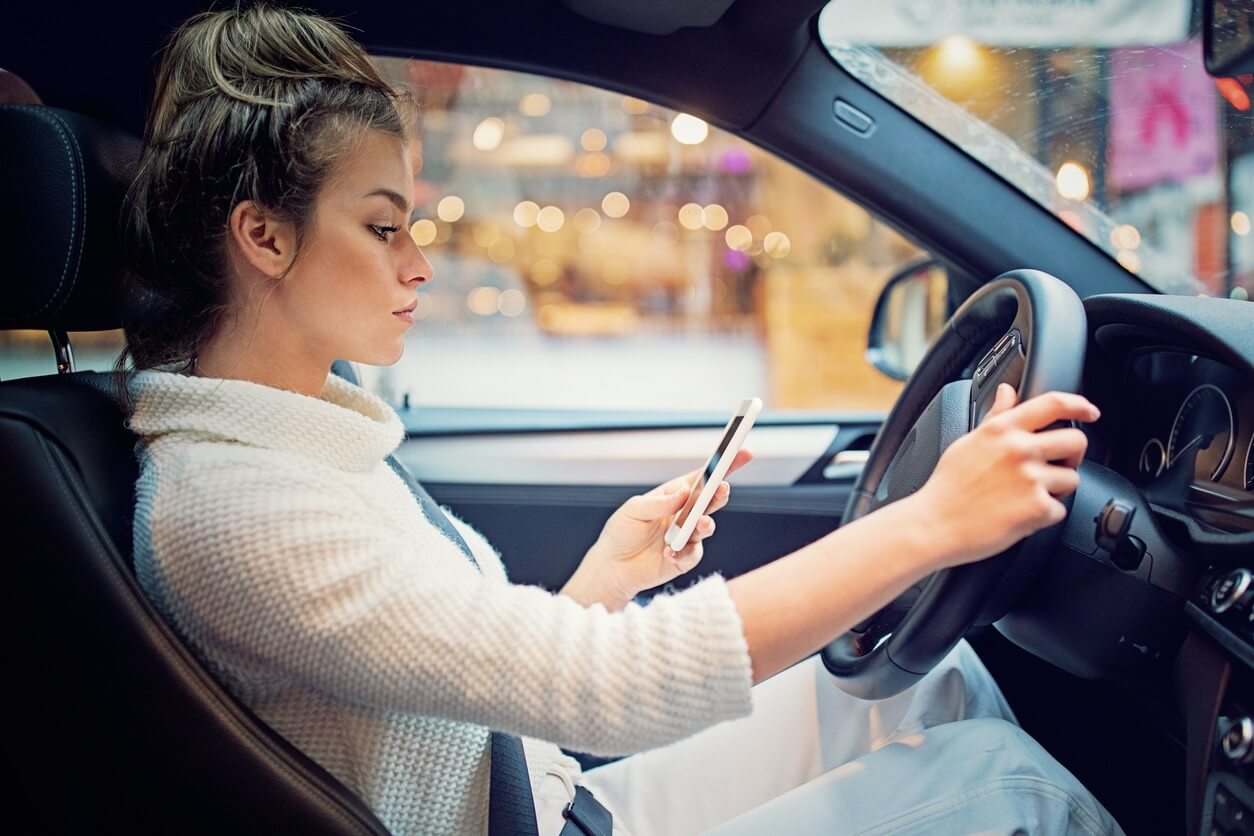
631, 556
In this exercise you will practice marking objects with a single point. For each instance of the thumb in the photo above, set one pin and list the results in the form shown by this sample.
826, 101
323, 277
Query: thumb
648, 508
1003, 401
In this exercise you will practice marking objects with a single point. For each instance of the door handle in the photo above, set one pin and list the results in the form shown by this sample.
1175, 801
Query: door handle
846, 464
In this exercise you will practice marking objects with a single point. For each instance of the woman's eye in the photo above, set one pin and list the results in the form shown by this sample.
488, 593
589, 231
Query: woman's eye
383, 231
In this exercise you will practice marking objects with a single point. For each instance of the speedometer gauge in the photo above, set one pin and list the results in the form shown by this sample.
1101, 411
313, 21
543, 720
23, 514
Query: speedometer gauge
1203, 431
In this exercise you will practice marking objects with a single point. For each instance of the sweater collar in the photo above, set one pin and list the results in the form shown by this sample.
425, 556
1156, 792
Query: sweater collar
345, 426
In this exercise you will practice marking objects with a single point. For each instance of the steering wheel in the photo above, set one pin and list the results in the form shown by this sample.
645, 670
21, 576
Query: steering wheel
1037, 329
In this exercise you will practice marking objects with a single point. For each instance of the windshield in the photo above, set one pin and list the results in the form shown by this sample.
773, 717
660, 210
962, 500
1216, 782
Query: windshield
1100, 110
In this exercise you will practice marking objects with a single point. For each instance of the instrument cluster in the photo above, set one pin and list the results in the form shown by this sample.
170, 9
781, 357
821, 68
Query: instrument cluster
1191, 426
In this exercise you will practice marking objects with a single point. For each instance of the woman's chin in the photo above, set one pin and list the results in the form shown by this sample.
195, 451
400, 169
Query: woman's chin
377, 356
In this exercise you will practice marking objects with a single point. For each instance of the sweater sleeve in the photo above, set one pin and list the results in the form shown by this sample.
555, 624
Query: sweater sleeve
259, 566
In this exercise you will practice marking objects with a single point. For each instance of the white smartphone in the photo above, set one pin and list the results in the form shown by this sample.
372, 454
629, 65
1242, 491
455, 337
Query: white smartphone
712, 474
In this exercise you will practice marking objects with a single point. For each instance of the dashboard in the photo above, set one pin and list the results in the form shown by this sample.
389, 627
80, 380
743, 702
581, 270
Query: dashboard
1187, 439
1174, 449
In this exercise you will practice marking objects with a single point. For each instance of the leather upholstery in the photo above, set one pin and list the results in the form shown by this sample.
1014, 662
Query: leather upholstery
113, 723
61, 191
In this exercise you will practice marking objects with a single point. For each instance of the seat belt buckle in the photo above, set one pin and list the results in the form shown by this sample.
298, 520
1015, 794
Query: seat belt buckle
587, 816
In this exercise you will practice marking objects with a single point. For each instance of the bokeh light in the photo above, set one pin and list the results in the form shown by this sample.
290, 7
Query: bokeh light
688, 129
1072, 181
483, 300
586, 220
593, 139
525, 213
759, 225
715, 217
511, 302
615, 204
738, 237
593, 164
691, 216
1125, 237
550, 219
488, 134
451, 209
534, 104
776, 244
423, 232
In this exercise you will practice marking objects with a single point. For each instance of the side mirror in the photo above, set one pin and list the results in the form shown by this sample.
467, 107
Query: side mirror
1228, 37
911, 310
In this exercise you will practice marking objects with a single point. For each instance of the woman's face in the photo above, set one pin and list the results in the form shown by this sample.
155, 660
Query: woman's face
358, 264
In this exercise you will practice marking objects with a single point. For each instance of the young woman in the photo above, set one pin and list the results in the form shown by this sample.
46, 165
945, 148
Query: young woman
270, 214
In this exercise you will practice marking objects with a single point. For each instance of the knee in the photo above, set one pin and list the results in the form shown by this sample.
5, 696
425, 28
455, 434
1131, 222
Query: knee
1003, 752
987, 759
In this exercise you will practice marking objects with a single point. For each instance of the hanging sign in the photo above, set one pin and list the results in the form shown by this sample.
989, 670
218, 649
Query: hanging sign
1163, 122
1033, 23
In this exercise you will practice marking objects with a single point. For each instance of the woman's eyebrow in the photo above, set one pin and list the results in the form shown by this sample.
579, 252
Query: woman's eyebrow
395, 197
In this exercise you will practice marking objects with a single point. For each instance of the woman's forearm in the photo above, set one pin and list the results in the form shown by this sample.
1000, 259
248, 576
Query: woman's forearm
795, 605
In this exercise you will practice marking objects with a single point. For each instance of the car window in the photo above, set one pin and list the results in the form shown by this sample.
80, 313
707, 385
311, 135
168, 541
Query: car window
593, 250
1100, 111
30, 353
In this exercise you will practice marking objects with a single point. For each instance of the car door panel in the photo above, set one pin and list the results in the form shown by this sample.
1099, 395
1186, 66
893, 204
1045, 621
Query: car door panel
542, 498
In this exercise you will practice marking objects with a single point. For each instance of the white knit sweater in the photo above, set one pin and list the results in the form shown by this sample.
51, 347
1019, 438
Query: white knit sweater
274, 538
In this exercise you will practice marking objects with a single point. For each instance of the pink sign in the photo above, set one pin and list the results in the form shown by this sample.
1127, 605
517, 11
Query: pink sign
1163, 121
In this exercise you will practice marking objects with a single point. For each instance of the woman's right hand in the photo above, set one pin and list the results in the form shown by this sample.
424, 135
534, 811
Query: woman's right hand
1002, 481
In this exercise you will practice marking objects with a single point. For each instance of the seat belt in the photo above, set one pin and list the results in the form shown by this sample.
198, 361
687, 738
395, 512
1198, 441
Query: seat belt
511, 808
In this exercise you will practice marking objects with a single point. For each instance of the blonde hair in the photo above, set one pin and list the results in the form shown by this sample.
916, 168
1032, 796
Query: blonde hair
257, 103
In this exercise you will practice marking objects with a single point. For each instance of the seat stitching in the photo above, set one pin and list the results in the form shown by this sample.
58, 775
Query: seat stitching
275, 759
37, 113
80, 209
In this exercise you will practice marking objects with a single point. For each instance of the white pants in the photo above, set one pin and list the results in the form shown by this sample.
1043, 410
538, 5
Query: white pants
811, 759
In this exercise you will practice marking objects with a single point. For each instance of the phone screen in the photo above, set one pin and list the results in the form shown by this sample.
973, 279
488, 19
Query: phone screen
709, 470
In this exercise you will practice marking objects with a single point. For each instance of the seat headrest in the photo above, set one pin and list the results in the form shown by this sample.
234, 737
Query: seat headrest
61, 190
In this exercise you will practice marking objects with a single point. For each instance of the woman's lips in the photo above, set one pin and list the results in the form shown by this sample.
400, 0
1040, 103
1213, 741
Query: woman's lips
407, 313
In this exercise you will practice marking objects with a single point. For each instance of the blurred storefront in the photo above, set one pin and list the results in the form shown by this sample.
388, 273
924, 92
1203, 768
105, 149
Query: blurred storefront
558, 214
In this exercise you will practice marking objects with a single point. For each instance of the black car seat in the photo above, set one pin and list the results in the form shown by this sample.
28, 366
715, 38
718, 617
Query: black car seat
112, 724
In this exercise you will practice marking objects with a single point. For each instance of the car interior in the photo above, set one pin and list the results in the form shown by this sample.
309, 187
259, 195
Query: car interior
1123, 639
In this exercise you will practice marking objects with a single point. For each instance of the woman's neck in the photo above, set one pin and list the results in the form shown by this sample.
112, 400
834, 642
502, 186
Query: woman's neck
280, 367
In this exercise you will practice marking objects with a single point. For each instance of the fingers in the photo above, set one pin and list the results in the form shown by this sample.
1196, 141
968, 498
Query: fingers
743, 457
1058, 481
1043, 410
1065, 446
675, 484
656, 504
1004, 398
704, 528
688, 558
721, 495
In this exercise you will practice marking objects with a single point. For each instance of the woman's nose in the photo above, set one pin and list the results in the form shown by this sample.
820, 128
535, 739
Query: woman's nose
417, 268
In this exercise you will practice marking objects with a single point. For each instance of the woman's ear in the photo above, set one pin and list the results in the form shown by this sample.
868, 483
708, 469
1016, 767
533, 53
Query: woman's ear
267, 244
